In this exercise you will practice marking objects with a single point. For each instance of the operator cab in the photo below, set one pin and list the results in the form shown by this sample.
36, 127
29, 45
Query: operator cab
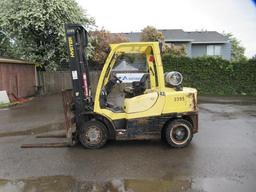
128, 78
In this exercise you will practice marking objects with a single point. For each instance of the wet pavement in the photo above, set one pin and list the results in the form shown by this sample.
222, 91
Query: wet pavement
221, 157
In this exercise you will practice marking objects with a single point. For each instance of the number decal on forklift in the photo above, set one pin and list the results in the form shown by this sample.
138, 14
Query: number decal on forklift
177, 99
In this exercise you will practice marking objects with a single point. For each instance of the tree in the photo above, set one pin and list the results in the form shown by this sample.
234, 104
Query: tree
237, 50
5, 44
8, 47
100, 41
150, 33
174, 50
37, 28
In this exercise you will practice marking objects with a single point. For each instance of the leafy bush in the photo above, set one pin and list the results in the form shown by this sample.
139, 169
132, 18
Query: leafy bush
215, 76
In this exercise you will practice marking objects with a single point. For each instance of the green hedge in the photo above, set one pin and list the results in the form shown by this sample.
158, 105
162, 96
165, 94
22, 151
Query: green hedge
215, 76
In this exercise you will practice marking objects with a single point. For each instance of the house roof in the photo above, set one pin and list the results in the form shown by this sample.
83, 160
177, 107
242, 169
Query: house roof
14, 61
175, 34
206, 36
133, 36
178, 35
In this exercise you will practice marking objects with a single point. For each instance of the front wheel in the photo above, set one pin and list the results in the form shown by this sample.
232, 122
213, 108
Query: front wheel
93, 134
178, 133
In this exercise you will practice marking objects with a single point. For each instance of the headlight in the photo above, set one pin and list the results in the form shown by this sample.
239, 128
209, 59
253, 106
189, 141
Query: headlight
173, 78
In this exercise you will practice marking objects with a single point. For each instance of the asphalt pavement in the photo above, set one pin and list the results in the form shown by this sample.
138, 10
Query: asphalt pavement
221, 157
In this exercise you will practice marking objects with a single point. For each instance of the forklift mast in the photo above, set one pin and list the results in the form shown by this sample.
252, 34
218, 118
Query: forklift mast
77, 41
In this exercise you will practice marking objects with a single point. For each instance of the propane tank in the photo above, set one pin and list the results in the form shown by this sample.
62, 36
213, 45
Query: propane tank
173, 78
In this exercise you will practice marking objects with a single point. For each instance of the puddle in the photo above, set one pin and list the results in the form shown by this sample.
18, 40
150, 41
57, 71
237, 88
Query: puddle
250, 112
219, 114
228, 100
34, 131
69, 184
224, 184
228, 112
42, 184
157, 185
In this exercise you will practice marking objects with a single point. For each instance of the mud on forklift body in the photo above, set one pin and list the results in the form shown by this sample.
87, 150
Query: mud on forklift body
134, 99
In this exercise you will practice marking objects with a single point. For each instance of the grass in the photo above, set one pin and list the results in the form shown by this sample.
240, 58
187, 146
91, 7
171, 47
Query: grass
6, 105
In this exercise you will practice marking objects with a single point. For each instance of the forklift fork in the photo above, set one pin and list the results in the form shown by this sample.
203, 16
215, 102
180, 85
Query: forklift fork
67, 100
68, 106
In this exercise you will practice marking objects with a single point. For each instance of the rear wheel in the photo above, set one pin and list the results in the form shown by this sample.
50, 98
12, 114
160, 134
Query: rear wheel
93, 134
178, 133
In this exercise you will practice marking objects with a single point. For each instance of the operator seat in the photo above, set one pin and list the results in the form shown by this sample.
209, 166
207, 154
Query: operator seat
138, 87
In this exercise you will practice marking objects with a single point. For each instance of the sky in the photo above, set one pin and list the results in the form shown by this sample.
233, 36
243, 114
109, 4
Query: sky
231, 16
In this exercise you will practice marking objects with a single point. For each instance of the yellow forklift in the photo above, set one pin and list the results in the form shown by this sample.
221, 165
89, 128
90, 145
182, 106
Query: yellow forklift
134, 99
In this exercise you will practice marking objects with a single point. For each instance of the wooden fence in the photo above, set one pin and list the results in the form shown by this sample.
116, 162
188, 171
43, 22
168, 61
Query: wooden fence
55, 82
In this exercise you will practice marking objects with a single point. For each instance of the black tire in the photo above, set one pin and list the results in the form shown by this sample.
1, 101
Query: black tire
178, 133
93, 134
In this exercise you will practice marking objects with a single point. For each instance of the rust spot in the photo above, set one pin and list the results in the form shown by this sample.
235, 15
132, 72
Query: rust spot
193, 115
194, 103
67, 98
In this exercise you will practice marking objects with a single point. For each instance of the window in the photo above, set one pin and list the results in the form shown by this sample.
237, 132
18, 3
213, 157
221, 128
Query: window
217, 50
213, 50
130, 67
128, 62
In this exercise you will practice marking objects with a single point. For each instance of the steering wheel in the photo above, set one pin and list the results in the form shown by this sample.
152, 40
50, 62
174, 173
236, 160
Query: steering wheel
138, 87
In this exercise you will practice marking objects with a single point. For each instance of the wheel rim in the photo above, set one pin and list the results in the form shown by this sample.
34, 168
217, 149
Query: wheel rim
93, 135
180, 134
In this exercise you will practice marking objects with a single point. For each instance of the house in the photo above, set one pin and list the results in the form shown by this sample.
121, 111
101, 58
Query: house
197, 43
17, 77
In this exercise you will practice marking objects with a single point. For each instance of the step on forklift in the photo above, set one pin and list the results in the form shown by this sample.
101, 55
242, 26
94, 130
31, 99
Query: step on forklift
134, 98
